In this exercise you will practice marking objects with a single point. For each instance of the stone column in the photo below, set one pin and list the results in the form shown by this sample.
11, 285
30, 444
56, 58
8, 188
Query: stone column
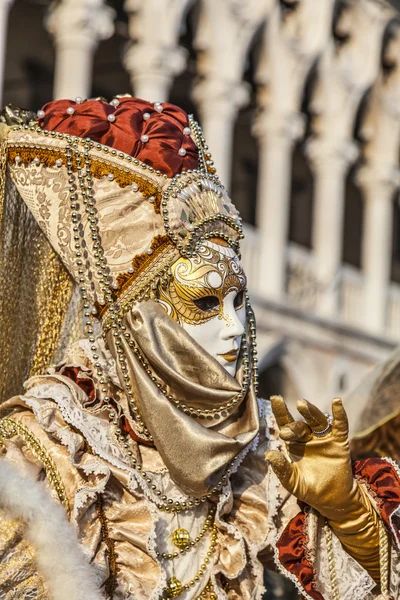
77, 26
153, 70
342, 79
4, 11
223, 38
154, 58
330, 164
276, 135
379, 179
289, 48
218, 103
378, 187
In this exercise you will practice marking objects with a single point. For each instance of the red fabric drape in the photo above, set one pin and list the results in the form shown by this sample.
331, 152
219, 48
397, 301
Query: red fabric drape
292, 552
383, 480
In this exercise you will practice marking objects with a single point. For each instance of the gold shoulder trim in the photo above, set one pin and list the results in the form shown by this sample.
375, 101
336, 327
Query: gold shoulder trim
10, 428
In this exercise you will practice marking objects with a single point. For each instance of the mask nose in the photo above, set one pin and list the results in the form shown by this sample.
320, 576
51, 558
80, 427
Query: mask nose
234, 320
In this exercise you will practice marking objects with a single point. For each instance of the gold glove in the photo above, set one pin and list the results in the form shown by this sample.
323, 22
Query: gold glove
320, 475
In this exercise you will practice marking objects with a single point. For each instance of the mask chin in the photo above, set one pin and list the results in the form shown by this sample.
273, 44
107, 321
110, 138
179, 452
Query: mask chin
229, 367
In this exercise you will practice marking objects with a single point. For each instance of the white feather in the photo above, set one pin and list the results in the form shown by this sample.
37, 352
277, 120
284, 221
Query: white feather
59, 556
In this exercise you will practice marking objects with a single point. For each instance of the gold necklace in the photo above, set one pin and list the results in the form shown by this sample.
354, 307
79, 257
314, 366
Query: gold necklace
175, 587
183, 541
208, 592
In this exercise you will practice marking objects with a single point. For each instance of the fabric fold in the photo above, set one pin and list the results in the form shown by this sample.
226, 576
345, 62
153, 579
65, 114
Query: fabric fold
195, 451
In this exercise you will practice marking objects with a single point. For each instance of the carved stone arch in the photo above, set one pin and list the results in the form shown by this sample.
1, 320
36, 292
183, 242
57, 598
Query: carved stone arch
301, 198
302, 182
353, 195
309, 86
220, 90
353, 220
388, 59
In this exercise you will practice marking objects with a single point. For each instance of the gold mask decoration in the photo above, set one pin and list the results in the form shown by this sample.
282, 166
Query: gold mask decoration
199, 284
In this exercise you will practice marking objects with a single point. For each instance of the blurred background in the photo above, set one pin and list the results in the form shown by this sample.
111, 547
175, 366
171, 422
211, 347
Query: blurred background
300, 104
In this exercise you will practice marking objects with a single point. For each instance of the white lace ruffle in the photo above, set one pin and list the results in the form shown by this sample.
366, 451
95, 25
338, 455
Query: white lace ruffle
74, 442
353, 580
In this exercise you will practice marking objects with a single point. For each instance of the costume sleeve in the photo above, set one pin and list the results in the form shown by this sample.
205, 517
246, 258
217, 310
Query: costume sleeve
39, 550
298, 540
309, 553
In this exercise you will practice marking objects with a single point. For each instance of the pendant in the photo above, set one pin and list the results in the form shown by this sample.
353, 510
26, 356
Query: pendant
174, 587
181, 538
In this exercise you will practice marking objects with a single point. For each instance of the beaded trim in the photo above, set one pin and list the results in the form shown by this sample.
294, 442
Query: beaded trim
205, 159
208, 526
331, 562
83, 142
199, 182
110, 584
100, 168
10, 428
175, 588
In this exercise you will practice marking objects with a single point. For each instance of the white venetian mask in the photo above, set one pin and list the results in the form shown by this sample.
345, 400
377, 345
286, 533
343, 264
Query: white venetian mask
206, 296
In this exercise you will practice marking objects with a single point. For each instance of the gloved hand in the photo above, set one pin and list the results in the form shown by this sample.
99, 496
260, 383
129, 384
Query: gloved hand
320, 474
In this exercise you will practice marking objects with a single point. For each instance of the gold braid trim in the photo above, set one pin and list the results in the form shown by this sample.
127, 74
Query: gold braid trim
99, 169
384, 562
331, 563
141, 262
3, 169
111, 582
10, 428
151, 269
145, 287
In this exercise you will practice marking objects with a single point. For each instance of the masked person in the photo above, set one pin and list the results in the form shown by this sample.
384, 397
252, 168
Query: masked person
120, 266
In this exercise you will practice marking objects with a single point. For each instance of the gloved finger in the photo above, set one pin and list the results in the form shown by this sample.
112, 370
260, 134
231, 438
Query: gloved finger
283, 469
340, 425
296, 432
281, 412
313, 416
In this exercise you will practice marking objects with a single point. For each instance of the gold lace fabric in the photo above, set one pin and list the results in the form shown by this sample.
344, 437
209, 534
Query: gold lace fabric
35, 291
19, 576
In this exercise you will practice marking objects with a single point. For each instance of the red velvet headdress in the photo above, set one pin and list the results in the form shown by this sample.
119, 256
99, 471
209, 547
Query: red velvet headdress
157, 134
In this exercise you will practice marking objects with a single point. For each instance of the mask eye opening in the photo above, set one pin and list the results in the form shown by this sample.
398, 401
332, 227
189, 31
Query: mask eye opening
207, 303
239, 300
